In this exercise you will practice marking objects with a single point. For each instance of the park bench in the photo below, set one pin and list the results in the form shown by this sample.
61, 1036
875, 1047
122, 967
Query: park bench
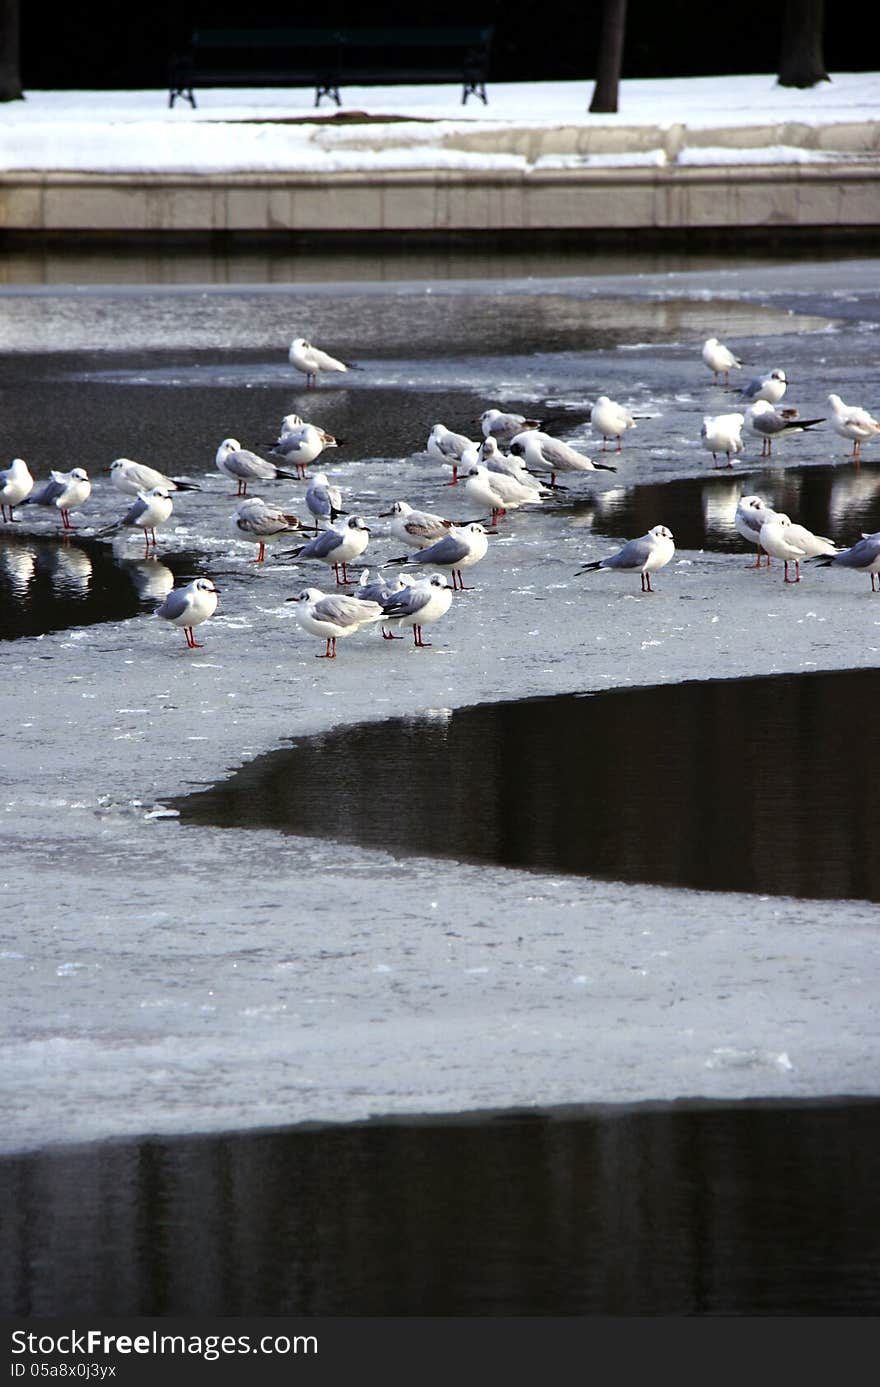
330, 58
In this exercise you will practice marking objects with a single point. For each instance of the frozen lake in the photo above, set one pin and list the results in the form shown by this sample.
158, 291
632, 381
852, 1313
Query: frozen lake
164, 977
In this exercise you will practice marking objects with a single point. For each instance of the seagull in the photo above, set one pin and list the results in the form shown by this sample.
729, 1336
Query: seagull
16, 483
463, 546
504, 427
771, 387
333, 616
244, 466
151, 508
541, 453
426, 600
719, 359
498, 492
850, 421
301, 444
324, 500
338, 546
134, 477
751, 514
491, 457
863, 556
722, 433
189, 606
611, 420
769, 423
448, 447
416, 527
312, 361
64, 490
791, 543
644, 555
256, 521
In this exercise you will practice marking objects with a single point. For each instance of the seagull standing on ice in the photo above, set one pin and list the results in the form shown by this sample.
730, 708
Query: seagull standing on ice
771, 387
791, 543
644, 556
324, 500
497, 492
312, 361
131, 478
243, 466
424, 601
462, 547
302, 444
752, 512
719, 359
333, 616
541, 453
254, 520
151, 508
851, 421
65, 491
418, 528
769, 423
189, 606
448, 447
863, 556
722, 433
611, 420
338, 546
16, 483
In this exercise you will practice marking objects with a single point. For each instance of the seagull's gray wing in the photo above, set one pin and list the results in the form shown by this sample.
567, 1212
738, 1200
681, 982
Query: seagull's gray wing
449, 550
322, 546
245, 465
771, 424
860, 554
47, 493
175, 604
632, 555
135, 510
753, 387
408, 601
344, 611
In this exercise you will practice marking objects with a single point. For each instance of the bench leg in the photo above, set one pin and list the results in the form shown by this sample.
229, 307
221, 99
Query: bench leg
475, 88
327, 91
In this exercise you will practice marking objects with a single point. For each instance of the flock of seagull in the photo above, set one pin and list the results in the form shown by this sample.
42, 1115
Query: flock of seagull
515, 463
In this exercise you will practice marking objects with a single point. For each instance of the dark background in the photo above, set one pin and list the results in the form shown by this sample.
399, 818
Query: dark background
101, 44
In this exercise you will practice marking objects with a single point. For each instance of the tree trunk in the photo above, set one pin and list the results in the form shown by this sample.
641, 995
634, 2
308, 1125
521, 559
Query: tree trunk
610, 58
801, 60
10, 77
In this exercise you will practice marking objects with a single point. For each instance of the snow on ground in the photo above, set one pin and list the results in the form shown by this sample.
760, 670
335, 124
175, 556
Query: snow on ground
427, 126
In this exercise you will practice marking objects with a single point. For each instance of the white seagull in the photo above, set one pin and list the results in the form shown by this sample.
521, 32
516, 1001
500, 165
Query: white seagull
448, 447
769, 423
771, 386
189, 606
302, 444
791, 543
131, 478
719, 359
243, 466
416, 605
504, 427
324, 500
333, 616
491, 457
65, 491
418, 528
722, 433
611, 420
752, 512
312, 361
338, 546
542, 453
851, 421
461, 547
16, 483
644, 555
498, 492
863, 556
260, 523
151, 508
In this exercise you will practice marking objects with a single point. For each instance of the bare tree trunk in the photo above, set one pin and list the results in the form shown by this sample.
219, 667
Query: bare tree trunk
610, 57
801, 60
10, 78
